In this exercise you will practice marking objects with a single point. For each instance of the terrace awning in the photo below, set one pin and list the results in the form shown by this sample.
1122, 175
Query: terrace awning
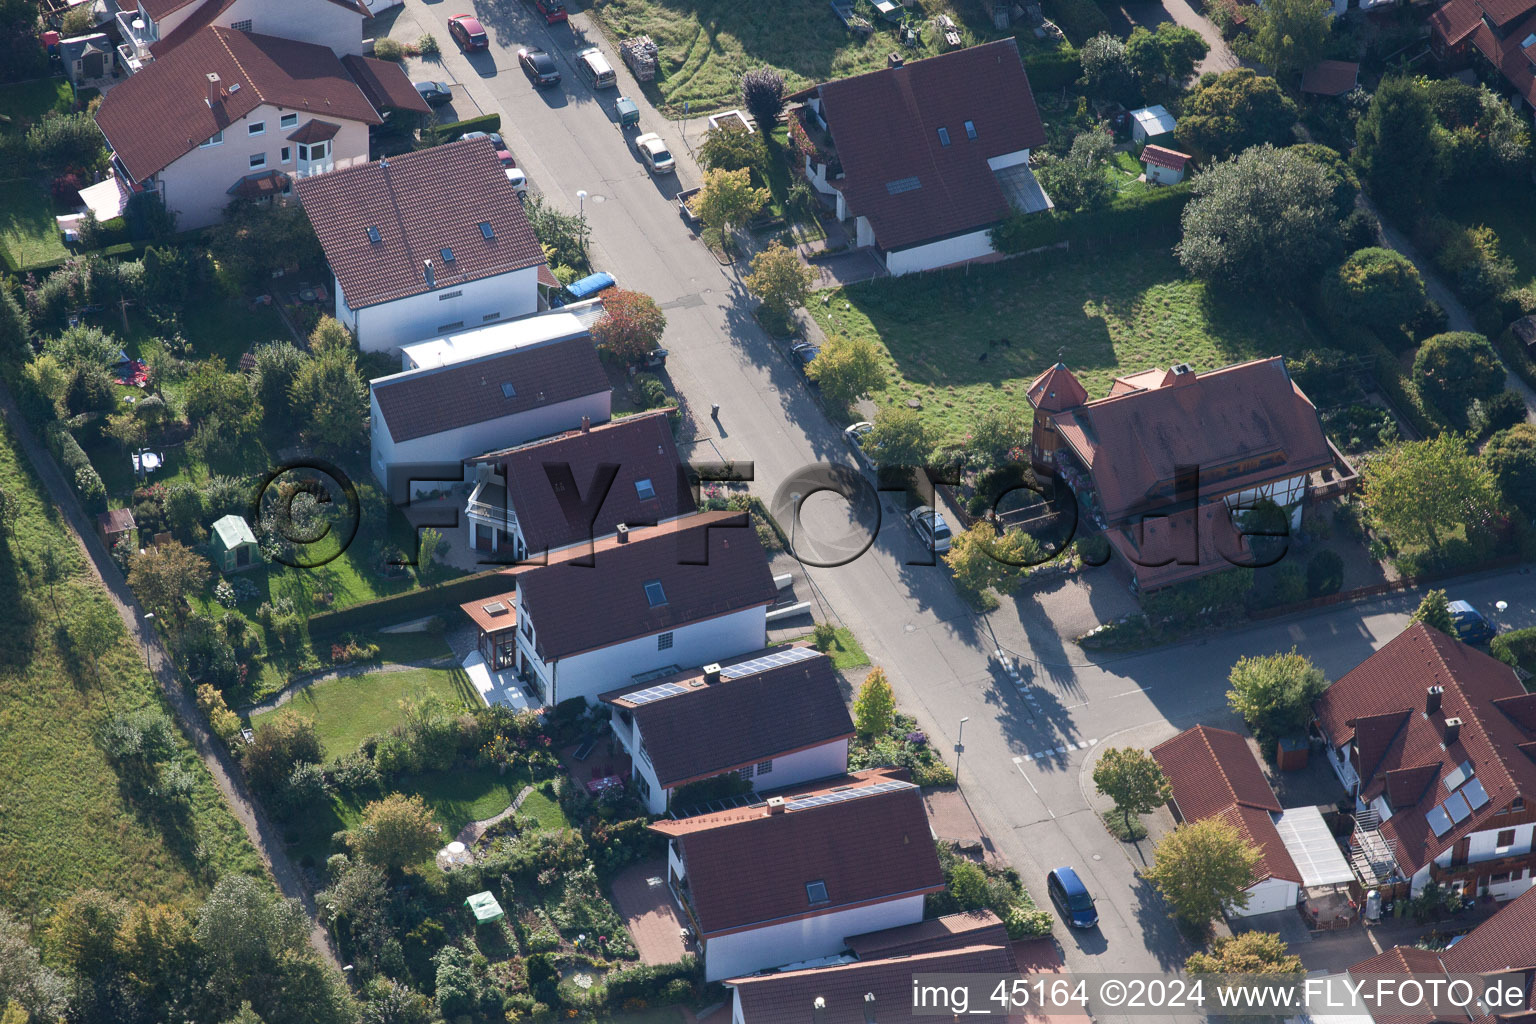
1312, 847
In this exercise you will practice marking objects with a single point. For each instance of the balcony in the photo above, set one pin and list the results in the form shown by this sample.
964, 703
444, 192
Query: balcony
1512, 863
137, 35
487, 505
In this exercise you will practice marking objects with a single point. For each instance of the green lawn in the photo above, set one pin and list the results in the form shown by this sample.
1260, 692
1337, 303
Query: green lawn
347, 711
24, 102
964, 341
66, 820
846, 650
1509, 209
28, 233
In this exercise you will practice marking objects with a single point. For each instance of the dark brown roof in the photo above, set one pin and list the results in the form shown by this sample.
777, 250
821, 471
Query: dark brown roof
384, 83
709, 564
115, 520
1134, 443
1379, 706
751, 868
898, 174
418, 403
162, 112
1504, 942
639, 448
1330, 77
420, 203
255, 186
315, 130
975, 928
493, 614
739, 720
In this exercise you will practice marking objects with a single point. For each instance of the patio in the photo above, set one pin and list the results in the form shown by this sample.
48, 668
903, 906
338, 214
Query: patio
641, 897
497, 687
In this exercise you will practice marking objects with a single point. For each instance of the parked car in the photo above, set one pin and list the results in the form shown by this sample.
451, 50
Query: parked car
804, 354
468, 33
931, 528
1071, 898
435, 93
854, 435
553, 10
654, 152
495, 137
594, 67
518, 179
539, 66
1471, 627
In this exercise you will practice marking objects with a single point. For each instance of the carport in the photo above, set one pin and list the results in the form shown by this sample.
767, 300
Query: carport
1325, 873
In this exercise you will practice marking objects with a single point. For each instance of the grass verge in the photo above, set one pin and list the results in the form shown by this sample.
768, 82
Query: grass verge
1114, 824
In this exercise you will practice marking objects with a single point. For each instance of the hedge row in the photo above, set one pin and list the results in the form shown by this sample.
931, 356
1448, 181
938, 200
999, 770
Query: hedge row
1056, 69
458, 129
400, 607
1145, 216
77, 467
1079, 20
1390, 376
649, 982
1516, 649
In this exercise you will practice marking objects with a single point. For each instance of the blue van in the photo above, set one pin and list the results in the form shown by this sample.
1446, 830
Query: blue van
1071, 898
1471, 627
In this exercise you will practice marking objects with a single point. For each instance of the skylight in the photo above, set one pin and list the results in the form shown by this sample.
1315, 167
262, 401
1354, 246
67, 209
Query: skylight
816, 891
486, 231
644, 489
447, 254
1439, 821
943, 136
1476, 795
655, 594
374, 236
1457, 807
970, 129
901, 185
507, 390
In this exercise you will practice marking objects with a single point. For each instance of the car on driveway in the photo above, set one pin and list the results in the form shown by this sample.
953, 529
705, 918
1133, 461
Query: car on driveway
1471, 627
1071, 898
931, 528
553, 10
654, 152
435, 93
539, 66
854, 434
468, 33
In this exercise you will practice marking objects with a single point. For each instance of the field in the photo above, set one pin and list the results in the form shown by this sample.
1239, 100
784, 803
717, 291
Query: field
964, 341
66, 821
346, 711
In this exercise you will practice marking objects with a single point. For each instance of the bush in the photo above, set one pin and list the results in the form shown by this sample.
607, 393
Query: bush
388, 49
1027, 922
1053, 69
1500, 412
456, 129
77, 468
1145, 216
650, 391
1454, 368
1325, 573
649, 981
822, 636
1516, 649
1375, 289
427, 45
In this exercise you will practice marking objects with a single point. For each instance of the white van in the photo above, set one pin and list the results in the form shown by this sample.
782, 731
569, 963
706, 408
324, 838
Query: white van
594, 67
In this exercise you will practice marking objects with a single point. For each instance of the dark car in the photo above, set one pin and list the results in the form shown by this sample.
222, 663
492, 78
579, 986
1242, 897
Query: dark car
468, 33
1471, 627
1071, 898
435, 93
553, 10
539, 66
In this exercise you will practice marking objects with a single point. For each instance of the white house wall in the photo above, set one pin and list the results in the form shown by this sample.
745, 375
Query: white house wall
939, 254
863, 233
726, 956
309, 21
1018, 156
388, 325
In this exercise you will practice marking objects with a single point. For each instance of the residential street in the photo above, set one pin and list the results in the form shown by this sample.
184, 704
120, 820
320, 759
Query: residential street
938, 656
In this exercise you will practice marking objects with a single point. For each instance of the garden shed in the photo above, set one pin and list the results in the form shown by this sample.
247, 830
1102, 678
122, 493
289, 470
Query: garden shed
1150, 122
234, 545
485, 908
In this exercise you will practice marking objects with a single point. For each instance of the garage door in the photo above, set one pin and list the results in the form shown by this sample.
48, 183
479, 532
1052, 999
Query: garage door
1268, 897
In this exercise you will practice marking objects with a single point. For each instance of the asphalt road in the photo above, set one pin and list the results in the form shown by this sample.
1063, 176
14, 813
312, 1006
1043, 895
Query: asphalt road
1040, 810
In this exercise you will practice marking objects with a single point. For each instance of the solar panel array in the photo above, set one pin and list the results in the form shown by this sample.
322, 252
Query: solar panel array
1457, 807
778, 659
838, 796
1461, 773
1476, 795
654, 693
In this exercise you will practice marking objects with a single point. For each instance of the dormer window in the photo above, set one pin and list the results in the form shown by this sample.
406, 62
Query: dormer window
943, 136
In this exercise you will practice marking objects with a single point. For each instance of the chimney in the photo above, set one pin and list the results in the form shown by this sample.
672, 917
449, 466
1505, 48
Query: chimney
1452, 730
213, 89
894, 60
1432, 699
623, 533
426, 269
712, 672
869, 1008
586, 424
775, 805
819, 1010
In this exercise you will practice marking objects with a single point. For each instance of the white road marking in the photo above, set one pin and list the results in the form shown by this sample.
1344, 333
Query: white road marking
1031, 785
1083, 745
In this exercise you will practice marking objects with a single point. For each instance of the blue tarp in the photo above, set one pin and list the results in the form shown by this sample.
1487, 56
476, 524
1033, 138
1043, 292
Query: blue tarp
590, 285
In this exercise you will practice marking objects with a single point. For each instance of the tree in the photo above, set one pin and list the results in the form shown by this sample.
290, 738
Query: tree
996, 432
1107, 70
631, 325
1133, 780
281, 743
1263, 220
780, 279
1346, 185
762, 93
158, 953
727, 199
899, 438
1415, 490
874, 710
389, 1002
1454, 368
250, 938
94, 626
563, 236
331, 335
1398, 148
14, 326
1290, 35
1511, 455
211, 390
980, 559
334, 400
277, 364
427, 546
1435, 610
1246, 953
395, 831
82, 932
1274, 693
1228, 112
255, 238
127, 430
1376, 289
1076, 181
1325, 573
847, 368
24, 980
10, 511
165, 575
730, 147
1167, 55
1203, 869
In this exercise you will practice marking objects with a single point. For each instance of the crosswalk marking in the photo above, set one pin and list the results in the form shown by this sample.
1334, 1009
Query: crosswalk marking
1056, 751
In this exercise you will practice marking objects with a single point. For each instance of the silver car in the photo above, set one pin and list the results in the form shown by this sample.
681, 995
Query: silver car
931, 529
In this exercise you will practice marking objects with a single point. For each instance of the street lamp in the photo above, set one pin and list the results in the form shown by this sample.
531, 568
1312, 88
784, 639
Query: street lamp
149, 622
960, 746
581, 202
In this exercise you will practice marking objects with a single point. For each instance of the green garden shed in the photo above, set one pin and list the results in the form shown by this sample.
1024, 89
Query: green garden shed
234, 545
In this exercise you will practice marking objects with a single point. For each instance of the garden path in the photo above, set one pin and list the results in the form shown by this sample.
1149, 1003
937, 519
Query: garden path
474, 830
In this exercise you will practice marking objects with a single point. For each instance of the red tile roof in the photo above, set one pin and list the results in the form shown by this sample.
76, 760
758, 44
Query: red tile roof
898, 174
1215, 775
384, 83
638, 448
1056, 389
713, 728
421, 203
709, 564
162, 113
1133, 444
1330, 77
485, 614
1169, 158
749, 868
315, 130
1164, 550
1454, 22
1379, 705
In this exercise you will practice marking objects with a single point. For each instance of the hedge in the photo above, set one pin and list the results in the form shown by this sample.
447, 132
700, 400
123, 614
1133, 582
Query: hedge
1389, 376
1079, 20
649, 981
77, 467
399, 607
1142, 216
458, 129
1516, 649
1056, 69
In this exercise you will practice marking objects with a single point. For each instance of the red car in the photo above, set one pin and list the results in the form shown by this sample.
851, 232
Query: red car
553, 10
468, 33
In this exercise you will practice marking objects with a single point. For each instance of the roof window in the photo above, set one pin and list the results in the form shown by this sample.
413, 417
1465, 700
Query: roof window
447, 254
816, 891
645, 489
374, 236
970, 129
943, 136
507, 390
486, 231
655, 594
